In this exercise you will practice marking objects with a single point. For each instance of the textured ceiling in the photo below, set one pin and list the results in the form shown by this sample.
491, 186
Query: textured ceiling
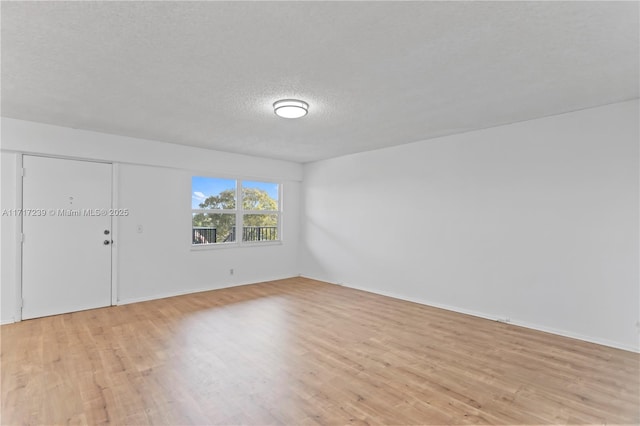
376, 74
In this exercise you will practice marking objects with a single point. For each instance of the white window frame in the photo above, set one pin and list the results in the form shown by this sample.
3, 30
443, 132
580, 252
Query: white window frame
239, 213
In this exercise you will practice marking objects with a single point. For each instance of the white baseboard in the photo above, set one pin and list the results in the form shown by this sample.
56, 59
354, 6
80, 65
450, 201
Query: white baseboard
193, 290
492, 317
7, 321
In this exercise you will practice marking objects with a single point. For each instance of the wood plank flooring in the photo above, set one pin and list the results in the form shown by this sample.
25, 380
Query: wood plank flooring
303, 352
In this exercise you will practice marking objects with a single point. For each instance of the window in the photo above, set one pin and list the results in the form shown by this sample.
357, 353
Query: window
234, 211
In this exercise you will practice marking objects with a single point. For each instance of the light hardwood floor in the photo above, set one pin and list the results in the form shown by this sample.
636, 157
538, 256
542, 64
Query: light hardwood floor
303, 352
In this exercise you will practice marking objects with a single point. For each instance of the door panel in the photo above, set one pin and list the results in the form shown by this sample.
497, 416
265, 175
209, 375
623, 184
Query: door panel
66, 265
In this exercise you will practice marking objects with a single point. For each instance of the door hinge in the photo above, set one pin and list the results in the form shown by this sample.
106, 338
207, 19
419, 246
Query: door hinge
24, 172
22, 238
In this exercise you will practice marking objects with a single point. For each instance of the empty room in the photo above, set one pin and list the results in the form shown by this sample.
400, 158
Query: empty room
320, 213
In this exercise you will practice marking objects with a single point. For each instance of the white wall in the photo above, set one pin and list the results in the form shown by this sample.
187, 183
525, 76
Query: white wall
535, 221
154, 183
159, 261
37, 138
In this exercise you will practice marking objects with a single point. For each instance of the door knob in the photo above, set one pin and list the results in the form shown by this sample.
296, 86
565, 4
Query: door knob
107, 242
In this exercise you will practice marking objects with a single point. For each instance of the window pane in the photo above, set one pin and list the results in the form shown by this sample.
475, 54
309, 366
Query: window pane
259, 195
260, 227
213, 193
212, 228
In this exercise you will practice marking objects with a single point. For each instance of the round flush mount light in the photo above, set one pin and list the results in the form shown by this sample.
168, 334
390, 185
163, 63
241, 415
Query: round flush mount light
290, 108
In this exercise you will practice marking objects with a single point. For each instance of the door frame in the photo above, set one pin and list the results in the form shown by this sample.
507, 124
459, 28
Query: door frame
19, 229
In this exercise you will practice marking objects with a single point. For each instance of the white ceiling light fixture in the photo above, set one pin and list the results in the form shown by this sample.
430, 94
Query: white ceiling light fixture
290, 108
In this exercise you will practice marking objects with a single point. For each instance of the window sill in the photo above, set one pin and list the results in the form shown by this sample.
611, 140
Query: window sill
219, 246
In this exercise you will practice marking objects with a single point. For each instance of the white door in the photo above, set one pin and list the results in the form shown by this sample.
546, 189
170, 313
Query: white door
66, 253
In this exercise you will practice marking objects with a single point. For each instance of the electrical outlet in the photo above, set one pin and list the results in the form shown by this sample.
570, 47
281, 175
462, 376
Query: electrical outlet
231, 271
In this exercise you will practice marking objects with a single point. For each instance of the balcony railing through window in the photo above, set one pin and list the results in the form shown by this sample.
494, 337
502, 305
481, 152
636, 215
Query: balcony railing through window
208, 235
